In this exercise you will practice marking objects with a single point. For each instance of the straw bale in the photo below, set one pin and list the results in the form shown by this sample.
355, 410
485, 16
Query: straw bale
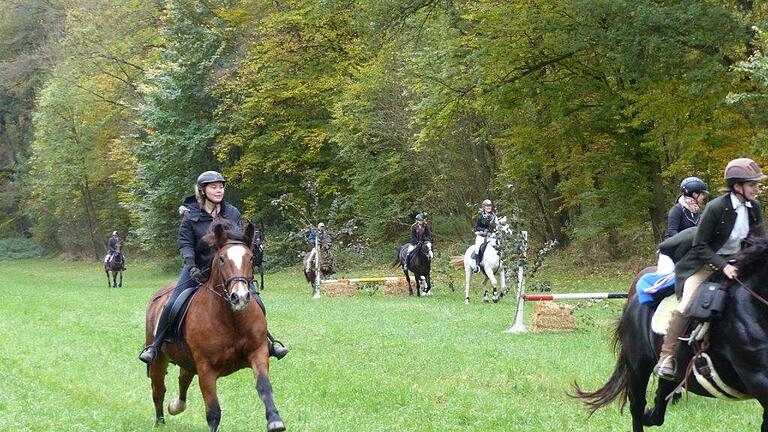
548, 315
339, 290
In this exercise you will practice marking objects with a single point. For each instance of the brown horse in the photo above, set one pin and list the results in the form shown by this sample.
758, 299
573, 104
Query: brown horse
224, 331
116, 265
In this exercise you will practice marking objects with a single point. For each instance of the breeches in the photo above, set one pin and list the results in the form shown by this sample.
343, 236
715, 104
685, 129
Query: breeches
665, 264
690, 288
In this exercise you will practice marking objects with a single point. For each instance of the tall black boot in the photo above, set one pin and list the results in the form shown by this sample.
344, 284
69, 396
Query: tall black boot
149, 354
277, 352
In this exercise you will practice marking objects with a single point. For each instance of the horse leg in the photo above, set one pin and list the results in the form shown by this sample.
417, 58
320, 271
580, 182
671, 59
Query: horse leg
494, 283
108, 282
655, 415
177, 406
467, 277
417, 280
260, 367
121, 279
157, 373
408, 279
207, 379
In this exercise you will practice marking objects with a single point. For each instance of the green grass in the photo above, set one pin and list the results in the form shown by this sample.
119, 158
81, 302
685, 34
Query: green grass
366, 363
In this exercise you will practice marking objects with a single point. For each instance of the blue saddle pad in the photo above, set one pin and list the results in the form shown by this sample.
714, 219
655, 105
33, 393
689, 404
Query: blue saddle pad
653, 287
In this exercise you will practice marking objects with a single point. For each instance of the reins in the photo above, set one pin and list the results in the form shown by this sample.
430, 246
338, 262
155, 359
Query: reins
752, 293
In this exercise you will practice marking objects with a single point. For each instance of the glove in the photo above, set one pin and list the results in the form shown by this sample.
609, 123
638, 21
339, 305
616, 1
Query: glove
196, 275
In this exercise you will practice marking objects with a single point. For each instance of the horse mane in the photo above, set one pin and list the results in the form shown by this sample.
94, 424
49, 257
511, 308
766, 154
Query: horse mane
233, 231
752, 260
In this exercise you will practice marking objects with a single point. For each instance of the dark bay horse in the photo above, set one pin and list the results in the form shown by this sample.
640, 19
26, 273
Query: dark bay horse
116, 265
420, 263
224, 332
737, 348
257, 260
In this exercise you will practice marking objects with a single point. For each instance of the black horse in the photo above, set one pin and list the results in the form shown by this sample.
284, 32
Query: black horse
116, 265
737, 348
257, 259
420, 263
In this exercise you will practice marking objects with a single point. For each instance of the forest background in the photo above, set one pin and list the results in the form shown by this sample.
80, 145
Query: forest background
581, 116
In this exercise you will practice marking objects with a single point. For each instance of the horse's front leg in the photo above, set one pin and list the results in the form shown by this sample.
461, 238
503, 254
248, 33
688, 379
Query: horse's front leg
208, 389
121, 279
417, 280
494, 283
109, 283
177, 406
260, 366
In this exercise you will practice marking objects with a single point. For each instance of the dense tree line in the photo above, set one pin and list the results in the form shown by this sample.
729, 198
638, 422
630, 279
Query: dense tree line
592, 111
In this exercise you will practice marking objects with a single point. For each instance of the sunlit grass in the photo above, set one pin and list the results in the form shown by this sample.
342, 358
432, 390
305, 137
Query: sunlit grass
366, 363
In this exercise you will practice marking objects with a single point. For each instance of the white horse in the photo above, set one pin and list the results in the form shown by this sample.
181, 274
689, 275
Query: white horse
492, 264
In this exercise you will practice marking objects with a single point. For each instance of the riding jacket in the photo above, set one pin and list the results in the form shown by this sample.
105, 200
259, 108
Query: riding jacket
680, 219
194, 225
486, 222
112, 245
420, 233
714, 228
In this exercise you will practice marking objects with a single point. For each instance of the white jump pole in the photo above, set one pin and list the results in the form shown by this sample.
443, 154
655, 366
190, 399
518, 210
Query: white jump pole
519, 326
318, 277
363, 280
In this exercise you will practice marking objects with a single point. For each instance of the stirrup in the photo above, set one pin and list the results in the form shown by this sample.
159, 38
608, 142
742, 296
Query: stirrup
148, 355
666, 372
277, 352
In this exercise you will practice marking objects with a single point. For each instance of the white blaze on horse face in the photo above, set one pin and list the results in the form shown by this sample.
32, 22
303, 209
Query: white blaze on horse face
236, 254
429, 246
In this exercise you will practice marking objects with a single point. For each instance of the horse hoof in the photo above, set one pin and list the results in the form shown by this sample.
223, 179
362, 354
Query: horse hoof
485, 300
316, 296
466, 301
496, 299
176, 406
159, 421
650, 418
275, 426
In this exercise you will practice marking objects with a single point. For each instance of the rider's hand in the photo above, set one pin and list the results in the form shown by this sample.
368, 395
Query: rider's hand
730, 271
196, 275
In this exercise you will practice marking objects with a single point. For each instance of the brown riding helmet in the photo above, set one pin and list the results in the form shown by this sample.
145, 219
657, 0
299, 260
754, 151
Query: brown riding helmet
743, 170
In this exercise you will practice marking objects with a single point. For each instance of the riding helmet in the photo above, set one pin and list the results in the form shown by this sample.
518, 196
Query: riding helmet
420, 217
321, 226
487, 202
693, 184
743, 170
209, 177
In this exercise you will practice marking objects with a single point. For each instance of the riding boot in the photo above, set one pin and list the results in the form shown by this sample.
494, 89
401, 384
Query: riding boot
666, 368
150, 353
277, 352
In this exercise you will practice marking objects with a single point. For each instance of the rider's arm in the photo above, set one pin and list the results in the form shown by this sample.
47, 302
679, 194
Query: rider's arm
187, 241
709, 226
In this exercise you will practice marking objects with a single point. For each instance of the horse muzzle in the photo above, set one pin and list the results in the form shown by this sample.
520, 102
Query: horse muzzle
239, 297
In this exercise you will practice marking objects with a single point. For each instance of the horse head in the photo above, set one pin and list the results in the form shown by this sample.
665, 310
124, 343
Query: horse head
427, 249
502, 226
752, 264
231, 269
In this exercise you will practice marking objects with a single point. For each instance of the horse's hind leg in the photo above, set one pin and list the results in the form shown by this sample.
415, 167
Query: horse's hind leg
260, 366
121, 279
157, 375
408, 279
655, 416
177, 406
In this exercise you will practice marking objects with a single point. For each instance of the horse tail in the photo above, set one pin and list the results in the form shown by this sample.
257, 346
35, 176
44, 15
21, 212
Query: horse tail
617, 385
397, 261
457, 261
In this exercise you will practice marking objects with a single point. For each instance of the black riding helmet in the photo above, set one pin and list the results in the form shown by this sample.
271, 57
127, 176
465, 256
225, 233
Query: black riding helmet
693, 184
209, 177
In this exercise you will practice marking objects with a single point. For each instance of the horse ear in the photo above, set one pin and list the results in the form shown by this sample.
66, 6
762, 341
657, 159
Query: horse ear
220, 235
250, 229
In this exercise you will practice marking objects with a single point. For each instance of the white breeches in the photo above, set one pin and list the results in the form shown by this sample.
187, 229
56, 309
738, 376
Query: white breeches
691, 286
665, 264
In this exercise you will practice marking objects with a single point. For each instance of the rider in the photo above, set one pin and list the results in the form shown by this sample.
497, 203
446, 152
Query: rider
725, 223
112, 248
419, 232
486, 224
683, 215
201, 209
323, 239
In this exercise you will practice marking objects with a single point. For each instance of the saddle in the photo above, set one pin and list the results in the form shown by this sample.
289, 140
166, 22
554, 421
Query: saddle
178, 313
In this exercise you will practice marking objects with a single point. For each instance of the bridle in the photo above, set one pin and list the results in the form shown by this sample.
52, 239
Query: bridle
237, 278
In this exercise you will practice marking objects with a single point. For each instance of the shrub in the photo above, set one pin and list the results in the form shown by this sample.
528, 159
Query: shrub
19, 248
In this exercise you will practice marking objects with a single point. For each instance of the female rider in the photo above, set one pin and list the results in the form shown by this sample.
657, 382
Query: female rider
726, 222
683, 215
198, 213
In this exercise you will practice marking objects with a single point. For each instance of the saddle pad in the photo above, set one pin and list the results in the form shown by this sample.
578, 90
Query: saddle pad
179, 312
663, 314
653, 287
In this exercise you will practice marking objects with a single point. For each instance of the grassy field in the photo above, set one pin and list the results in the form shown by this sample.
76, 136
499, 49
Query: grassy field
365, 363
